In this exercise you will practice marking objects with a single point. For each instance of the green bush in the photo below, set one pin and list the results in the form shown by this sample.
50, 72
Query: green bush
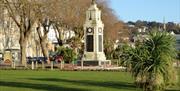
68, 54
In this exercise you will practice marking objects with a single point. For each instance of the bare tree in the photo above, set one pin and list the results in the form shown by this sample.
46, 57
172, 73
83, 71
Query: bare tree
71, 15
23, 13
43, 35
7, 29
63, 15
68, 14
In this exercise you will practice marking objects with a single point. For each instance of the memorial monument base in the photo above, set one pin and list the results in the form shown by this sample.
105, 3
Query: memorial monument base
94, 62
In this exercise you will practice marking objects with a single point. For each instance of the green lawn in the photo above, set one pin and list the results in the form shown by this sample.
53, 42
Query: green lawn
27, 80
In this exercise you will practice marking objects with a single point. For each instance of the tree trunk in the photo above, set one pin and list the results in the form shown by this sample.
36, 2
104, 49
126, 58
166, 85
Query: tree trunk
43, 43
23, 44
44, 50
58, 35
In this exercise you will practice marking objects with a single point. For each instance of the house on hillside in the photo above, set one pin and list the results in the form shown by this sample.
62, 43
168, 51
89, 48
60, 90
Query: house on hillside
140, 35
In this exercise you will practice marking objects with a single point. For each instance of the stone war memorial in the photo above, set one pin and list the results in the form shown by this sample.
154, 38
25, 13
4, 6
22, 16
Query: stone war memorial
93, 30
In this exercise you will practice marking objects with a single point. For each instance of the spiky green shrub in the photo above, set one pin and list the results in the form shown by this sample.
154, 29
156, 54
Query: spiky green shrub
151, 61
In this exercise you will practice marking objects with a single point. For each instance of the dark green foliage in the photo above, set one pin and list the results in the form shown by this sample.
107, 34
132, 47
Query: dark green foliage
68, 54
125, 55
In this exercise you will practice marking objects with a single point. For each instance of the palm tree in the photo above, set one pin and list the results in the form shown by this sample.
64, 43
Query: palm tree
152, 61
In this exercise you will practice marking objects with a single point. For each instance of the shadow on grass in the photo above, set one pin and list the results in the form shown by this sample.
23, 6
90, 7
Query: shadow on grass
108, 84
38, 86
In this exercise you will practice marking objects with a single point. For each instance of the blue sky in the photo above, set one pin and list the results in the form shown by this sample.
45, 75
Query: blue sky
149, 10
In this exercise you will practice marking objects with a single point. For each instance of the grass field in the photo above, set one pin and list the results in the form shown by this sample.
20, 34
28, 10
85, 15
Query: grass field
27, 80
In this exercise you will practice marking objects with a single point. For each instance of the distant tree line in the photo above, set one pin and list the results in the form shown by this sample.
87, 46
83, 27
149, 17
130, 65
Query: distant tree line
169, 26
